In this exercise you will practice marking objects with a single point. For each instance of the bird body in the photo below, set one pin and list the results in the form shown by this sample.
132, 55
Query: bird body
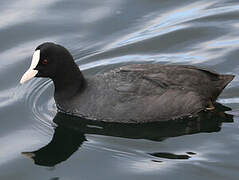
145, 92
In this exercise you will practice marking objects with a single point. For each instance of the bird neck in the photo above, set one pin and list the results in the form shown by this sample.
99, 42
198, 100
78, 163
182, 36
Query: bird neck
68, 84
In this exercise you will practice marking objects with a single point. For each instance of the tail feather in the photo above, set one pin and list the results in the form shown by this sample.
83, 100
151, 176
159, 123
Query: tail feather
226, 79
221, 83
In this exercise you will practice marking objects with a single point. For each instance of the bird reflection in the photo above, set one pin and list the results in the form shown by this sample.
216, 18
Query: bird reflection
70, 133
64, 143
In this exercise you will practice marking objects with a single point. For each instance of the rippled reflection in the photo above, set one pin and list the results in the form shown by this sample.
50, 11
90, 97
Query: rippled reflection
70, 134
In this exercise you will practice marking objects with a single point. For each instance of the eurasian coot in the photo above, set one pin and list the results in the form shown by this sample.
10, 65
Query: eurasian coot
135, 93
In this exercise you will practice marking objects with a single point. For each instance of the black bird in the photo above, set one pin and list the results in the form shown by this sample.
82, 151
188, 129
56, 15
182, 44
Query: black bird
135, 93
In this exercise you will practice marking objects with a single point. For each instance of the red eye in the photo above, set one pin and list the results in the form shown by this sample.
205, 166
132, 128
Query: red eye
45, 61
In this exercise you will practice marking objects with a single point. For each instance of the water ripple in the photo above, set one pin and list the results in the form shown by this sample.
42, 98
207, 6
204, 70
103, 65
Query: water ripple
40, 102
27, 10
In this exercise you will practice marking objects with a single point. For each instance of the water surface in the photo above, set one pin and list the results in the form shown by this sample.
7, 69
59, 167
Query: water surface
102, 35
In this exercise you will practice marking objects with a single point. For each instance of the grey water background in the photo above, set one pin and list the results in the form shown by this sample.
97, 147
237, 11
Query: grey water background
102, 35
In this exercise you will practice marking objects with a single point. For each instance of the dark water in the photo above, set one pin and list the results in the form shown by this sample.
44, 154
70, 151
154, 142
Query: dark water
102, 35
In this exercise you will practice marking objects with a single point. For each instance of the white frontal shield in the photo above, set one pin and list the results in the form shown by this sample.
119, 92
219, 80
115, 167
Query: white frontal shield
30, 73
